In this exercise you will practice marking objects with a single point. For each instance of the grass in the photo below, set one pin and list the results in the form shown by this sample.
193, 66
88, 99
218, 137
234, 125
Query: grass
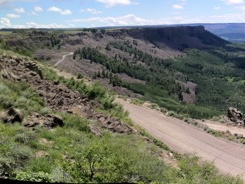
137, 101
75, 155
19, 96
226, 135
223, 134
80, 149
155, 95
102, 99
5, 32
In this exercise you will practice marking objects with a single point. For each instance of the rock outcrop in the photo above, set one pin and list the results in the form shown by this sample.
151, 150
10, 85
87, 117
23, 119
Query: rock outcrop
176, 37
11, 115
48, 121
236, 116
55, 95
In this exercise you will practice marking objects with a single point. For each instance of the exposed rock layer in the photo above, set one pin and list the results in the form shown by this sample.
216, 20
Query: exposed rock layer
55, 95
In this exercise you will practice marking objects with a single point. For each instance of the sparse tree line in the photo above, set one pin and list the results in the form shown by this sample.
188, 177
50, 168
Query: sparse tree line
207, 69
54, 41
152, 74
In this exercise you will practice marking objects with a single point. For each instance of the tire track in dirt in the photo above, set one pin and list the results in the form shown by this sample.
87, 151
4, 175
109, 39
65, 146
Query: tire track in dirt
63, 58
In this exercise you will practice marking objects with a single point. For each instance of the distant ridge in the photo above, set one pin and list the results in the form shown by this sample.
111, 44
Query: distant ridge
176, 37
233, 32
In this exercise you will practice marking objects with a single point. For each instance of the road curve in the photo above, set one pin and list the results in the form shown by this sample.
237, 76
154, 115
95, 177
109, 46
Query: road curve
63, 58
227, 156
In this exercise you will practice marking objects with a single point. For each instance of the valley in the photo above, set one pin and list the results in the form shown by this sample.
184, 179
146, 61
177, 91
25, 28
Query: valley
61, 85
175, 69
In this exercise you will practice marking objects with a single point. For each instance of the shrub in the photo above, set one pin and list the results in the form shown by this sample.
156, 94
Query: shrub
34, 177
25, 138
195, 171
80, 76
4, 89
7, 166
40, 165
73, 121
95, 91
21, 154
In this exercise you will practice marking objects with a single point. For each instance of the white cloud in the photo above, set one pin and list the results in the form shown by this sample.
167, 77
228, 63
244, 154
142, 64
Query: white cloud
38, 9
33, 13
133, 20
126, 20
62, 12
5, 22
234, 17
19, 10
230, 2
54, 9
92, 11
66, 12
13, 16
216, 8
110, 3
241, 8
5, 2
177, 6
36, 25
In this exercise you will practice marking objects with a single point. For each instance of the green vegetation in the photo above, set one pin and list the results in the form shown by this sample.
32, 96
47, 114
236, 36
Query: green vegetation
73, 154
218, 72
92, 159
101, 98
19, 96
22, 41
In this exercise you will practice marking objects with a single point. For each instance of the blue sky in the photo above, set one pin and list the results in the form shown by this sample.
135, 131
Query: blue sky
94, 13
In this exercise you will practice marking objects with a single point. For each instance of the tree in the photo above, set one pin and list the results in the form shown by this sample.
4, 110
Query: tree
102, 31
94, 31
108, 47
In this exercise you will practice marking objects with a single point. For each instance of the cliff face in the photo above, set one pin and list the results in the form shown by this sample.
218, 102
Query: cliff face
175, 37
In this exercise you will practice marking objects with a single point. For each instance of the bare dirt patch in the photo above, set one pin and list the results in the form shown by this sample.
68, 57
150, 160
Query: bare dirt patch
169, 159
223, 127
41, 154
129, 79
44, 141
151, 49
190, 95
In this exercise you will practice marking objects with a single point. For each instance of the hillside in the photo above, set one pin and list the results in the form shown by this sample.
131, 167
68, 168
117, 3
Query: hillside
56, 129
63, 126
184, 69
232, 32
178, 38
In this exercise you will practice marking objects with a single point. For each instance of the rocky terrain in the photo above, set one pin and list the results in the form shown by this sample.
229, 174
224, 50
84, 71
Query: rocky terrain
236, 116
169, 66
56, 128
55, 95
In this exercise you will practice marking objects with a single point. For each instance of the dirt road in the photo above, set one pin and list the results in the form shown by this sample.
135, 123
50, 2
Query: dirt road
63, 58
223, 127
228, 157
